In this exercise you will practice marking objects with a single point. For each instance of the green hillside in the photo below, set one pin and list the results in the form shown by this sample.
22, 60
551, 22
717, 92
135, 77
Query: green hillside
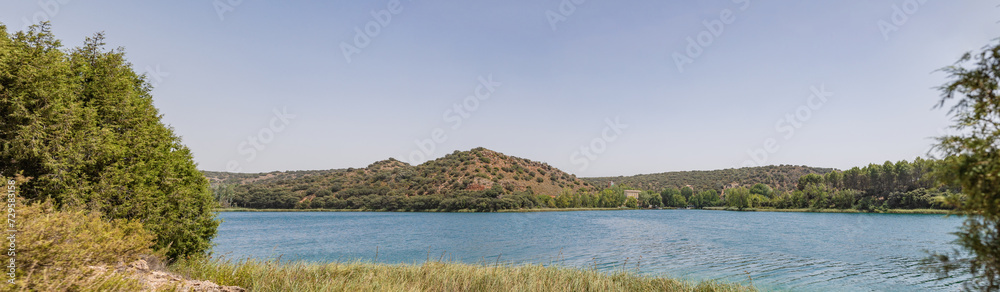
781, 178
478, 173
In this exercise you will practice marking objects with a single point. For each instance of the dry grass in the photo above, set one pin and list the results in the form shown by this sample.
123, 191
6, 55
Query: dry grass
60, 250
272, 275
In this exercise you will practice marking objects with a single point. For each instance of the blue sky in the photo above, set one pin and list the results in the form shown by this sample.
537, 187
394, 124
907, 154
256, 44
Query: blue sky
592, 88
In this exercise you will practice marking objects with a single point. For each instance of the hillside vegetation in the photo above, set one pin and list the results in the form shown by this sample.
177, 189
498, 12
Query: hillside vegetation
478, 176
485, 180
781, 178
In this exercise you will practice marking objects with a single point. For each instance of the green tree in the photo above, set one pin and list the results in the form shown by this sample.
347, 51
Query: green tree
809, 179
675, 200
667, 194
687, 192
704, 199
762, 189
82, 127
834, 179
738, 198
631, 202
679, 201
649, 198
973, 162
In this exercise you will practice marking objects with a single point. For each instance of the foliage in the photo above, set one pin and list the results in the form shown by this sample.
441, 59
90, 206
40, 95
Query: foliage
56, 248
738, 198
763, 190
808, 179
703, 199
631, 202
973, 162
687, 192
650, 199
781, 177
80, 125
479, 179
677, 200
668, 195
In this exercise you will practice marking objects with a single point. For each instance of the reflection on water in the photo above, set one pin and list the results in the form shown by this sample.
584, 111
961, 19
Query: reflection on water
778, 251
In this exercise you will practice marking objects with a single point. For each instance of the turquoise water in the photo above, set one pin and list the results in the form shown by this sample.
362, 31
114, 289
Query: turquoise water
779, 251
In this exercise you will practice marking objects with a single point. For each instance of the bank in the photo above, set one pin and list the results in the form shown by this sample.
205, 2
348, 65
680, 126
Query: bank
431, 211
806, 210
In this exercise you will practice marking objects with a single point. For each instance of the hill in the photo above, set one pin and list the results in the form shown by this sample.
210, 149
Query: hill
781, 178
478, 172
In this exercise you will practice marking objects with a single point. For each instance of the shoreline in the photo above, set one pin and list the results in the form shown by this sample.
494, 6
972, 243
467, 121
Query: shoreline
424, 211
805, 210
795, 210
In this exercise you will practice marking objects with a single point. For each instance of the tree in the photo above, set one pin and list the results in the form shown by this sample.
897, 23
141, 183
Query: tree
763, 190
738, 198
834, 179
687, 192
649, 198
631, 202
973, 162
81, 126
809, 179
667, 194
704, 199
680, 201
676, 200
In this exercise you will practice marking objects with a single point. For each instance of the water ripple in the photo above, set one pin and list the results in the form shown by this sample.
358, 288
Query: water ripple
778, 251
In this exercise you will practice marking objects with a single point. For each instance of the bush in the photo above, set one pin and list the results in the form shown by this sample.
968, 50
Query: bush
55, 249
82, 126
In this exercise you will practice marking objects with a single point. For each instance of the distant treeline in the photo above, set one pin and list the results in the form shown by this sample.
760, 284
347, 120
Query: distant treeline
479, 179
900, 185
384, 199
779, 177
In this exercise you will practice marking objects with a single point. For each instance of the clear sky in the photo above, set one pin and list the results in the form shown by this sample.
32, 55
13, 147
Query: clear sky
596, 88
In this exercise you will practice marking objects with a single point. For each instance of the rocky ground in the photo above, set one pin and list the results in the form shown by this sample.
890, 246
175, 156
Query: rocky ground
156, 279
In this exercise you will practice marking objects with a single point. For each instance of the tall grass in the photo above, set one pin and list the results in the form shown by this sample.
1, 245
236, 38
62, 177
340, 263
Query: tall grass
61, 250
274, 275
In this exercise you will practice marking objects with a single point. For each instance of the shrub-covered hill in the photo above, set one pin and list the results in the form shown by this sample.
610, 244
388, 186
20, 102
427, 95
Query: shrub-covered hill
781, 178
478, 173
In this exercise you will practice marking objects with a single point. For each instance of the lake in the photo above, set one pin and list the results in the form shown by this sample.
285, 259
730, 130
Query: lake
779, 251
